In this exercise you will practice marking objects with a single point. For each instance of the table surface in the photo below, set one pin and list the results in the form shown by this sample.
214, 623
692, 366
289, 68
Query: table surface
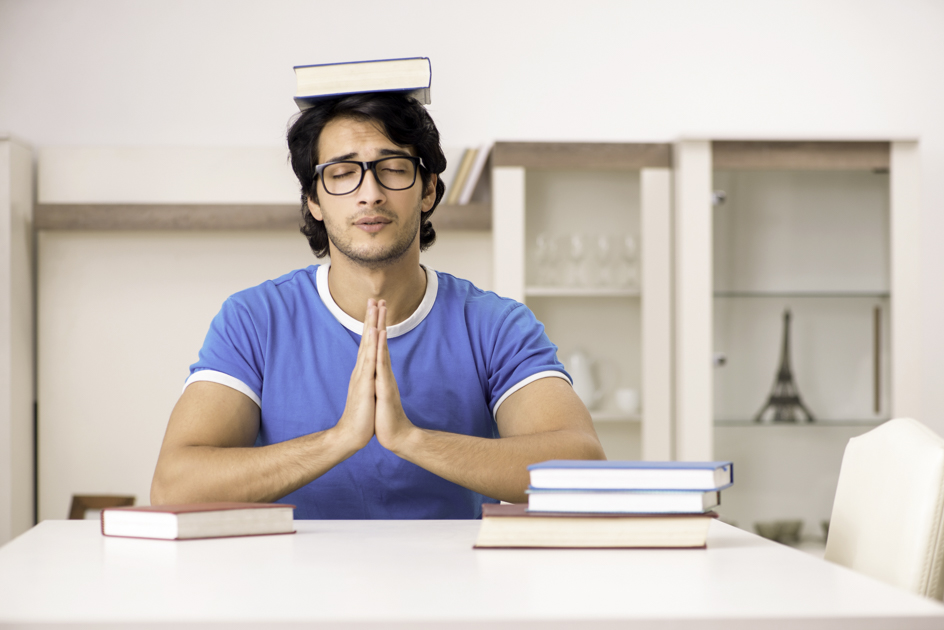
426, 574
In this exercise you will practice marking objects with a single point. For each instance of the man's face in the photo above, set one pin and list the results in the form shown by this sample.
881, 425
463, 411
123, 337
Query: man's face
372, 226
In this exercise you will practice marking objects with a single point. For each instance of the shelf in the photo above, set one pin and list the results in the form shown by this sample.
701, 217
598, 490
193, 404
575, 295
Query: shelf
579, 292
274, 216
807, 156
612, 156
874, 422
803, 294
615, 416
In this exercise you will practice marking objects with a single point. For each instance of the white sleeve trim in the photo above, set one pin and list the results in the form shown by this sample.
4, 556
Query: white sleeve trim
224, 379
522, 383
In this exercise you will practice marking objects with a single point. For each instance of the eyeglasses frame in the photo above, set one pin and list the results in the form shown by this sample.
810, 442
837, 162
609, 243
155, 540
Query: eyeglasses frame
369, 166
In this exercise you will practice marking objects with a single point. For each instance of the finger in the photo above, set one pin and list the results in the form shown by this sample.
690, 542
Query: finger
370, 356
361, 348
382, 315
385, 378
383, 351
371, 305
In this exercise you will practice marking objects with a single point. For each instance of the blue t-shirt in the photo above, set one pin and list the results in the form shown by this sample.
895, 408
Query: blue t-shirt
288, 346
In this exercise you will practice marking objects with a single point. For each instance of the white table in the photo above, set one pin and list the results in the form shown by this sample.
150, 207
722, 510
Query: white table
423, 574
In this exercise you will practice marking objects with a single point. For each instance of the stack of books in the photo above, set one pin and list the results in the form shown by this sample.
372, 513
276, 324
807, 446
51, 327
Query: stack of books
600, 504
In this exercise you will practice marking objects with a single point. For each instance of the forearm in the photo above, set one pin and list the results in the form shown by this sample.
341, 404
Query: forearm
196, 473
497, 468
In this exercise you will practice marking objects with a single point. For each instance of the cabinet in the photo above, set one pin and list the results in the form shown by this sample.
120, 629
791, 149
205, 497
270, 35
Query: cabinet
828, 230
587, 199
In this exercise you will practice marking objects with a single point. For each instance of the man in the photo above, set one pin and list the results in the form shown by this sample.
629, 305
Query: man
373, 387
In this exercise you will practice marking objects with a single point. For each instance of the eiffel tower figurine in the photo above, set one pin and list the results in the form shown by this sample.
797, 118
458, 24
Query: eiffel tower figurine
784, 404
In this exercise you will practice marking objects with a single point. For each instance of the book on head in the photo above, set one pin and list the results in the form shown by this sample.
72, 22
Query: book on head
513, 526
623, 501
316, 82
631, 475
199, 520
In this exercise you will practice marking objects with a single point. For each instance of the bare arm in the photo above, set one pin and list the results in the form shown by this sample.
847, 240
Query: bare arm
208, 452
543, 420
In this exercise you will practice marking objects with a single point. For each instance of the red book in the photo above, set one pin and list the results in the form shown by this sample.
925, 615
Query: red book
513, 526
199, 520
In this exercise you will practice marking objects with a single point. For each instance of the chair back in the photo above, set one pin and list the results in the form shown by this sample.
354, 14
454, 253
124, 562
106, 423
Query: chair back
888, 513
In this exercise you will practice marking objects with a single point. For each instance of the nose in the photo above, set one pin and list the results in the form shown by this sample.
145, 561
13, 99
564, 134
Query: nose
370, 192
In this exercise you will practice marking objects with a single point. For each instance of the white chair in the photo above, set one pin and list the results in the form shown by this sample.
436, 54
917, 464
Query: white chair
888, 514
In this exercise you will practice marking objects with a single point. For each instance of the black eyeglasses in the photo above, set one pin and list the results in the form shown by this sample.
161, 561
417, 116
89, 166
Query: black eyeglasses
393, 173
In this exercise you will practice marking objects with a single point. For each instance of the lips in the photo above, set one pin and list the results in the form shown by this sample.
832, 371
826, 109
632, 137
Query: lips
371, 220
372, 224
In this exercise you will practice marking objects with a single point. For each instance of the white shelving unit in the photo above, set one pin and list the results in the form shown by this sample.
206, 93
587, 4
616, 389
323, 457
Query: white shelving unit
17, 384
561, 189
829, 230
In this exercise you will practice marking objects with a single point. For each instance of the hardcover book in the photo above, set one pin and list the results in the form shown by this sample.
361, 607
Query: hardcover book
412, 76
199, 520
631, 475
513, 526
623, 501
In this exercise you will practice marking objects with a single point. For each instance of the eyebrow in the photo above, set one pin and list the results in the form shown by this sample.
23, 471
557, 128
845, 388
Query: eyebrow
383, 153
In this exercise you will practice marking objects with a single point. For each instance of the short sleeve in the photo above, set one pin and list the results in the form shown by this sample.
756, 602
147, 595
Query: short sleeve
521, 354
232, 353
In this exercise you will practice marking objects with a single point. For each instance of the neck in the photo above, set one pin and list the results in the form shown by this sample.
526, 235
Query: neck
402, 284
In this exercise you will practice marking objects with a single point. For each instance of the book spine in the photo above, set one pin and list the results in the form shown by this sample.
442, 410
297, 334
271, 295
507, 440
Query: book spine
459, 182
474, 174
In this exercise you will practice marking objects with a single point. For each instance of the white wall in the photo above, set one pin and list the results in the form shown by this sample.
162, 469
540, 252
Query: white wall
218, 72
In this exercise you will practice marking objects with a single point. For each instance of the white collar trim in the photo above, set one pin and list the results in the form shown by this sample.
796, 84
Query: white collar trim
411, 322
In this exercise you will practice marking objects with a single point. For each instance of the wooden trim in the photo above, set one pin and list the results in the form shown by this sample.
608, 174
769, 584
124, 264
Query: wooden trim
582, 155
812, 156
473, 216
217, 217
83, 502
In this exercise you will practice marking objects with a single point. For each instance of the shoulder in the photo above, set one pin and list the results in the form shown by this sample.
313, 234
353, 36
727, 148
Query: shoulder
300, 282
263, 304
457, 291
482, 310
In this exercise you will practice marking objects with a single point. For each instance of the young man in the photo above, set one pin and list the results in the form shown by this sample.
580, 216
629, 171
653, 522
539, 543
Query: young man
373, 387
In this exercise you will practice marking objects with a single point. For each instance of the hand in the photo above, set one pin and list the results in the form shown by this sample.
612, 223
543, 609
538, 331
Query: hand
390, 422
356, 425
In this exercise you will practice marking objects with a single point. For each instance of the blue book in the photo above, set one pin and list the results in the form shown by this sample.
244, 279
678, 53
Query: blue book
631, 475
412, 76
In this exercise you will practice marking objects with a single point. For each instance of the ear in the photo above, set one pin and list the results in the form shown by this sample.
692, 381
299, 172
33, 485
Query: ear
429, 195
315, 209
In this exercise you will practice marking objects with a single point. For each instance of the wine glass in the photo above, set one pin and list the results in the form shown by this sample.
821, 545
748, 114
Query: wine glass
576, 251
627, 271
545, 259
603, 255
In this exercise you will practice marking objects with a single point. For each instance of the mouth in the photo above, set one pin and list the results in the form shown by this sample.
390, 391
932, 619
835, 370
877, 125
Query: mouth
372, 224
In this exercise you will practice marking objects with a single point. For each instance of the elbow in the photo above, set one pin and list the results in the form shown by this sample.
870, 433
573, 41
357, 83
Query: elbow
158, 491
163, 490
593, 449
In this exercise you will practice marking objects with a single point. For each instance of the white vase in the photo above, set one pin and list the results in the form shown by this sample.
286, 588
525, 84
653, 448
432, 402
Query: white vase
580, 367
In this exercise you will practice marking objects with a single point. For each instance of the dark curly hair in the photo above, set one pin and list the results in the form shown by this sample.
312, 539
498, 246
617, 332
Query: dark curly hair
404, 120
